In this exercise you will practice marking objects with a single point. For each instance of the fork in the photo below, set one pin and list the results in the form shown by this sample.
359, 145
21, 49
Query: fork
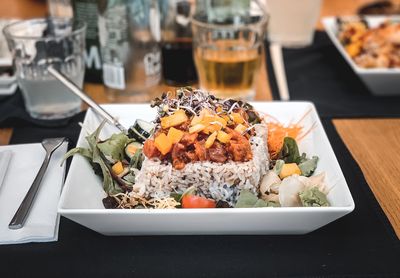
20, 216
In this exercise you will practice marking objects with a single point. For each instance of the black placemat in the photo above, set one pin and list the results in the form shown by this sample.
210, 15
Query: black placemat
13, 114
360, 244
320, 74
35, 134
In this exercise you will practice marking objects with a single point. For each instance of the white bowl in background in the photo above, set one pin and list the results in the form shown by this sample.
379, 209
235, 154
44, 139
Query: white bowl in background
81, 198
380, 81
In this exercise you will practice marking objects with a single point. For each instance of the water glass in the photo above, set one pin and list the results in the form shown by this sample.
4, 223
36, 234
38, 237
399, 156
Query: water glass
228, 46
38, 43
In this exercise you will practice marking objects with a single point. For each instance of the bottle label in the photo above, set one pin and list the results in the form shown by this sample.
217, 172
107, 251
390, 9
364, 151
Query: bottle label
152, 63
114, 76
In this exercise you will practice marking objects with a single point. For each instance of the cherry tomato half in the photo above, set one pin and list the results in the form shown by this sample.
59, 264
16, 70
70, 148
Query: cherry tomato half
192, 201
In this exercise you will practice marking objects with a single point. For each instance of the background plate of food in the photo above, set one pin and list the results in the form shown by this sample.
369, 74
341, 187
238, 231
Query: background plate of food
371, 46
196, 164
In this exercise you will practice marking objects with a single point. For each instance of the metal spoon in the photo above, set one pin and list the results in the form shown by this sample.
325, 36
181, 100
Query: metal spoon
75, 89
18, 221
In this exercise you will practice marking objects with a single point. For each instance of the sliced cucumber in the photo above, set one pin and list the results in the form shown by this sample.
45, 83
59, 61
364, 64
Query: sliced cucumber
131, 149
141, 130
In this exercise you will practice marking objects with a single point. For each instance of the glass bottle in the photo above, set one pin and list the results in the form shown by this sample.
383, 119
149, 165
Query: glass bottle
129, 38
178, 65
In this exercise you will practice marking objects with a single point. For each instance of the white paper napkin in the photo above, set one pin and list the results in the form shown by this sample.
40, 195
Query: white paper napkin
5, 157
43, 220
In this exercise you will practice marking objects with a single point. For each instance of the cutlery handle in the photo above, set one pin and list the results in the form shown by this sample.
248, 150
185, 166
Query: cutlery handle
77, 91
279, 70
21, 214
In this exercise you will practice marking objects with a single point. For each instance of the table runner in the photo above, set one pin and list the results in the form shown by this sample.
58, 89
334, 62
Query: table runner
360, 244
13, 114
320, 74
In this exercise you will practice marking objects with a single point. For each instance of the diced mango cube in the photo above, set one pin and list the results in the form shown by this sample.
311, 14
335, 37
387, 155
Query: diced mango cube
240, 128
207, 119
163, 143
210, 140
226, 118
196, 120
353, 49
221, 120
211, 128
289, 169
175, 135
179, 117
237, 118
117, 168
196, 128
223, 137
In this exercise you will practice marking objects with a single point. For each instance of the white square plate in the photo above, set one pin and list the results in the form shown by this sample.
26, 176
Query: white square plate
81, 199
381, 81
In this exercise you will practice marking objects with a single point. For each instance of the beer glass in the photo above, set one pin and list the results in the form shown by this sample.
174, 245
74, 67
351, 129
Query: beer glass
228, 46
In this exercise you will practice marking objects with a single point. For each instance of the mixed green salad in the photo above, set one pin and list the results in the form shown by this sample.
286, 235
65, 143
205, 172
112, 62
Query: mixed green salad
290, 181
117, 159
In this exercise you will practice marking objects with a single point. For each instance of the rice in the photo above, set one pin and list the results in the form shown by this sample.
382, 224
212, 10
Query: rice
219, 181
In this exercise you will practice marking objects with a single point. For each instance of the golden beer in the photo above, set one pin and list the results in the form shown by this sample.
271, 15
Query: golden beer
228, 70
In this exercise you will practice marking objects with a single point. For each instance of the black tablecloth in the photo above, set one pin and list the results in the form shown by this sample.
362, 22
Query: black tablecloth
320, 74
360, 244
13, 114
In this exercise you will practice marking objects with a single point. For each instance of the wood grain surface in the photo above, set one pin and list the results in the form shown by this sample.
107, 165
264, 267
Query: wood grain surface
375, 145
5, 135
23, 8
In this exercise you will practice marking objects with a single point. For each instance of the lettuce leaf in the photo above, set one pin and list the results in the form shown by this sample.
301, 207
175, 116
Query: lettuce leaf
82, 151
289, 152
313, 197
308, 166
93, 154
110, 186
114, 147
248, 199
137, 159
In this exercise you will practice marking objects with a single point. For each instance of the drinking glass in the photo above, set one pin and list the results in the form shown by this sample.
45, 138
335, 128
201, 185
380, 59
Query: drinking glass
294, 26
36, 44
228, 46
